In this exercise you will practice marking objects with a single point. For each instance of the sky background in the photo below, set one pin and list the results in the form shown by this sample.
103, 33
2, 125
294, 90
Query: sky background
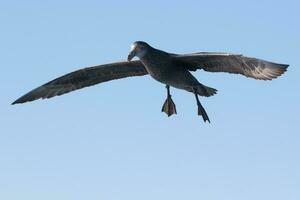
111, 141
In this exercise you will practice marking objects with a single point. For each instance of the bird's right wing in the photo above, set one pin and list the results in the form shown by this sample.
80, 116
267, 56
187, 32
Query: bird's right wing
84, 78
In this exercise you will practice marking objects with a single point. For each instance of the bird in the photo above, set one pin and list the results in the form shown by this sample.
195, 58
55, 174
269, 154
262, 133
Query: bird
170, 69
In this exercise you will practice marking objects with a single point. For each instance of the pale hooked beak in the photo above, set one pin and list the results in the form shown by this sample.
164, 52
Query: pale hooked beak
131, 55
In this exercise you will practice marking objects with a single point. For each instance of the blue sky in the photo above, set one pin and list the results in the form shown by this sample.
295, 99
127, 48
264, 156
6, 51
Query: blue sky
111, 141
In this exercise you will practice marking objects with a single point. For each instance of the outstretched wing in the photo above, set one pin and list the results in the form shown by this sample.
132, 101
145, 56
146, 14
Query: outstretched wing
231, 63
84, 78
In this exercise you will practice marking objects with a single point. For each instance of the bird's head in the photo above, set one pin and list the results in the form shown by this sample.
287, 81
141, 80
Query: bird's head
138, 49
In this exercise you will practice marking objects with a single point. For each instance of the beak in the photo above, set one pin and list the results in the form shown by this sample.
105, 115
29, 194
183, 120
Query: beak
130, 55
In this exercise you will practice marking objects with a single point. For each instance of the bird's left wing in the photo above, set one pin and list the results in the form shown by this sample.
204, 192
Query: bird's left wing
230, 63
84, 78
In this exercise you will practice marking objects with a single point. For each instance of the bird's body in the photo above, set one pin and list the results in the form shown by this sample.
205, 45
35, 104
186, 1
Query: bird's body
162, 67
169, 69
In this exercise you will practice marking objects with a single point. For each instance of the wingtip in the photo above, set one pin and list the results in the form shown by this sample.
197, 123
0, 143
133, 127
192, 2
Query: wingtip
20, 100
15, 102
284, 68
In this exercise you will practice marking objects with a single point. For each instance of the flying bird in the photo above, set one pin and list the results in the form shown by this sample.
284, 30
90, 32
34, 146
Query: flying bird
170, 69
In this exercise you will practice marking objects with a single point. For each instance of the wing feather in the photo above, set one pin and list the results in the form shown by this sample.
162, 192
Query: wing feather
84, 78
232, 63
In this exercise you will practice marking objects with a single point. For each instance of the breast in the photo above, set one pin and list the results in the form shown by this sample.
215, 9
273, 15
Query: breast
156, 70
161, 67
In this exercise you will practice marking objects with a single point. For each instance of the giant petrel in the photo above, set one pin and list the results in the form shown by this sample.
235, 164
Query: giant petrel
167, 68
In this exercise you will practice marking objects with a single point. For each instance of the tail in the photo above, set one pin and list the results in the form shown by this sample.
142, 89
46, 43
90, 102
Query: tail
203, 90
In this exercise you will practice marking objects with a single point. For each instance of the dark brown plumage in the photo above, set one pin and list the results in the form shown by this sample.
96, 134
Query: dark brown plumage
170, 69
232, 63
84, 78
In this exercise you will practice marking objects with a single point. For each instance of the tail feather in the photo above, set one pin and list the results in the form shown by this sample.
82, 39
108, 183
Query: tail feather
203, 90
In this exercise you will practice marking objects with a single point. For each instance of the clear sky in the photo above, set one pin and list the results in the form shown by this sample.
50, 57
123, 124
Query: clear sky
111, 141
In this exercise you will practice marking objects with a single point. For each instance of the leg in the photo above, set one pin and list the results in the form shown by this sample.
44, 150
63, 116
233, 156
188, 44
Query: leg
169, 106
201, 110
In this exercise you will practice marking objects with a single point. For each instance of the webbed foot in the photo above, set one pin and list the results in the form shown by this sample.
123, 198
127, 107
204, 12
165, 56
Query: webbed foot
169, 107
201, 110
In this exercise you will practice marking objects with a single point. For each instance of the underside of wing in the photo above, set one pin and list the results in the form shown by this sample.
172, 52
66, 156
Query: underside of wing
84, 78
231, 63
